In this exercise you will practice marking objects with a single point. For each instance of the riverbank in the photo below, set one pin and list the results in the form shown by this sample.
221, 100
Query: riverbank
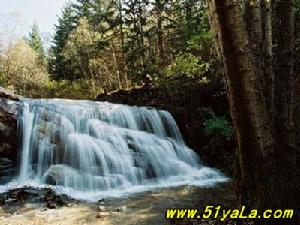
146, 208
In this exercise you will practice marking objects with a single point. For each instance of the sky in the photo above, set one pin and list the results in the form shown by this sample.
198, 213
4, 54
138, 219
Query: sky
44, 12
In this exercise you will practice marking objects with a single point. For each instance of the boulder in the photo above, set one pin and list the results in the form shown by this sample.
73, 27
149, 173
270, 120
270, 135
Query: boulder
28, 194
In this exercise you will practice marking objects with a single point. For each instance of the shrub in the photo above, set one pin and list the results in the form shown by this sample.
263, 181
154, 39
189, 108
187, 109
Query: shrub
217, 124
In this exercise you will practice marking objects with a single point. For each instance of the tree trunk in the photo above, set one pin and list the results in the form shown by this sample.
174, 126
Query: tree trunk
263, 159
266, 14
284, 68
160, 39
253, 16
117, 68
286, 104
123, 64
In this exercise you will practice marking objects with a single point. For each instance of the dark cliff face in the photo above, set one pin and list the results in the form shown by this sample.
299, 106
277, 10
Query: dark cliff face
214, 149
9, 108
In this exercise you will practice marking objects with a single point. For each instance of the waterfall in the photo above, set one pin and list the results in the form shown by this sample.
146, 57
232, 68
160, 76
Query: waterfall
91, 147
27, 120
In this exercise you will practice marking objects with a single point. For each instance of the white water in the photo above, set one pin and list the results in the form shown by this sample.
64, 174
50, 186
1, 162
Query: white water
91, 149
27, 124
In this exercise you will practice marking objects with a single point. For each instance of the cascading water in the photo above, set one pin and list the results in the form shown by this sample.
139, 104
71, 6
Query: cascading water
99, 147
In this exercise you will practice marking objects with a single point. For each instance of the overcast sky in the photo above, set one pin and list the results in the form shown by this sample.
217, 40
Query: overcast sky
43, 11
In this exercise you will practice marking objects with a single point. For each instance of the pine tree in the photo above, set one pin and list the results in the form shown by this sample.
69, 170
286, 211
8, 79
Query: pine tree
59, 67
137, 47
105, 15
34, 40
83, 8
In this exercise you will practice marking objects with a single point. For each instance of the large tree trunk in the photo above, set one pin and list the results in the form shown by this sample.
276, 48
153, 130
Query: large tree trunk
284, 69
286, 104
259, 27
267, 46
253, 16
267, 178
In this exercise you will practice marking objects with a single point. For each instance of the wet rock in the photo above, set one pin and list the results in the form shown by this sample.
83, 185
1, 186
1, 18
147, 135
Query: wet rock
5, 179
35, 195
2, 200
132, 145
7, 169
9, 110
26, 194
51, 205
60, 200
140, 162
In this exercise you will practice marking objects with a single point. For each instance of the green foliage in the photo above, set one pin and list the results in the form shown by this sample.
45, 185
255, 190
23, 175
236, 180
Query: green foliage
79, 89
147, 38
188, 65
34, 40
105, 16
82, 8
22, 71
59, 67
80, 47
105, 45
118, 44
217, 124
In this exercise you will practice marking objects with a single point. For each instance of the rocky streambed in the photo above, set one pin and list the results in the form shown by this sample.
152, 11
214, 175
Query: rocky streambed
148, 208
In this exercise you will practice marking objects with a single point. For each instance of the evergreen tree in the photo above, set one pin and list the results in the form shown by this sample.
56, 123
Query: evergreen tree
59, 67
137, 45
34, 40
145, 37
83, 8
105, 15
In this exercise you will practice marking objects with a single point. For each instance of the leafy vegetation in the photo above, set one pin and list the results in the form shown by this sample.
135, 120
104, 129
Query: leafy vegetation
21, 70
116, 44
218, 125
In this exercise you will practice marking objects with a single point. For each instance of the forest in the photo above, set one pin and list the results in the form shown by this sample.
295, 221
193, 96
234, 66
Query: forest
228, 72
103, 46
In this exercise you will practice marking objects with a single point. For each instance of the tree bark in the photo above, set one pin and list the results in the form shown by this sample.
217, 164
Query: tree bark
253, 16
286, 104
266, 14
262, 157
283, 69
